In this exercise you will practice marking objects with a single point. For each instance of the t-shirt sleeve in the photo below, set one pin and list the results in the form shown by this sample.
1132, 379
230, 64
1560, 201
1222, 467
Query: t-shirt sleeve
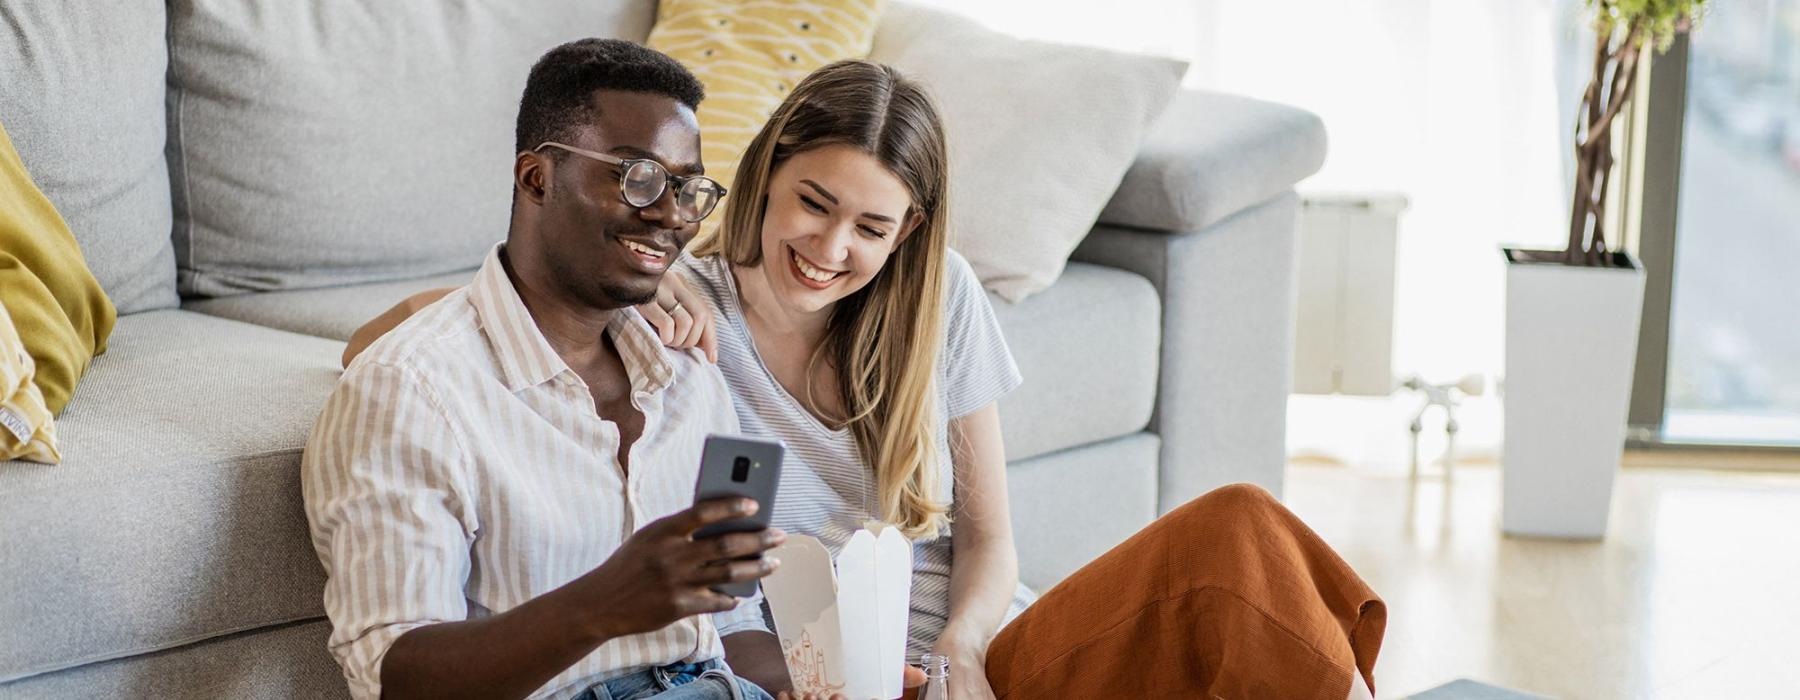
977, 367
691, 269
706, 276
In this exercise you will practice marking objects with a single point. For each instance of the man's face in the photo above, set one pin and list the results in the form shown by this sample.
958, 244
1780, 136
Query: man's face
602, 250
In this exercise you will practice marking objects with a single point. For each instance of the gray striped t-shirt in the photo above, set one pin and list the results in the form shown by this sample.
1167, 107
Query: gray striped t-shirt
826, 489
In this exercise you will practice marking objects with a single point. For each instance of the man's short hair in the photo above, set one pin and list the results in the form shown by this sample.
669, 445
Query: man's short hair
560, 90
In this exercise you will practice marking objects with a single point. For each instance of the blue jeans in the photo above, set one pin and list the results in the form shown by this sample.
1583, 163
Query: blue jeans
707, 680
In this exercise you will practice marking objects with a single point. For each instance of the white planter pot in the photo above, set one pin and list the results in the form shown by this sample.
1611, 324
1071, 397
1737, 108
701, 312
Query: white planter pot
1571, 341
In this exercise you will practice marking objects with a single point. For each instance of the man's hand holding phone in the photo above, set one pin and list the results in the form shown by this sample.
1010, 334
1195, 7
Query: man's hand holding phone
662, 574
739, 467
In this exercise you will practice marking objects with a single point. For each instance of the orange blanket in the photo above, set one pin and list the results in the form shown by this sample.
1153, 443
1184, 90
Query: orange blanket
1229, 596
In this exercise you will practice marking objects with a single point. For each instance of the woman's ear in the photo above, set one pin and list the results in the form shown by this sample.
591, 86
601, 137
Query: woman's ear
531, 176
913, 221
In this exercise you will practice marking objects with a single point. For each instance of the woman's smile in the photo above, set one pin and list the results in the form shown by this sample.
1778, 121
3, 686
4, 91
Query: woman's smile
809, 274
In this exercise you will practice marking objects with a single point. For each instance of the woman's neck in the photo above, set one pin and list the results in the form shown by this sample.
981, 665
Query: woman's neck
788, 342
766, 313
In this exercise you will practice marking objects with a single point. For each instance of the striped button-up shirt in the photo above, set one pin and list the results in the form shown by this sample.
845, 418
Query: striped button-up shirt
459, 469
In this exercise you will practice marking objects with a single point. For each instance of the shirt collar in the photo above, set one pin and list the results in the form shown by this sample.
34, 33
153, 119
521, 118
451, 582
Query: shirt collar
524, 356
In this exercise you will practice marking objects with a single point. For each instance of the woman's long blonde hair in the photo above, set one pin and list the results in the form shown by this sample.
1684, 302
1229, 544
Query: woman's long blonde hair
885, 338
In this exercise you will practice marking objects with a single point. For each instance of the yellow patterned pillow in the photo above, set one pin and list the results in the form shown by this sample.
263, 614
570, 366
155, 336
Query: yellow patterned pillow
26, 428
56, 305
750, 55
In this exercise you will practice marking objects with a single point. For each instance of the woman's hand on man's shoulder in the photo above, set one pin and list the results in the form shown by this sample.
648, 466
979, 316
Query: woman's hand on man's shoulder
682, 318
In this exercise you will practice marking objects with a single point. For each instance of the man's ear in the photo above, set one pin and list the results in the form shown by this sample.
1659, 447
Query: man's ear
531, 176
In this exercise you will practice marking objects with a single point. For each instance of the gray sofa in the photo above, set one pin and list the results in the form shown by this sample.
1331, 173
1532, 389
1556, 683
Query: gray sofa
343, 155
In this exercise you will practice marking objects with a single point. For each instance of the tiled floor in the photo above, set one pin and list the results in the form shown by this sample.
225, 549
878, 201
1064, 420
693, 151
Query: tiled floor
1695, 592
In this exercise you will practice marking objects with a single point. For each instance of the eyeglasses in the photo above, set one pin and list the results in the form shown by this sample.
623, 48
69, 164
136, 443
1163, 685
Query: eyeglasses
642, 181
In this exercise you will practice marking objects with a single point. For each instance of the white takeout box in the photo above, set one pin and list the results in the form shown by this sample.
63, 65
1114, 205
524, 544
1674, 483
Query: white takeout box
844, 631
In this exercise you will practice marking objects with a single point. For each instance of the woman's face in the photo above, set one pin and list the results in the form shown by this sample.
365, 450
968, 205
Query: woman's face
834, 216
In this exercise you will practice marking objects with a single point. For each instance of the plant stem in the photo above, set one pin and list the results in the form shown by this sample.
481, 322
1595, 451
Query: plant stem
1624, 81
1584, 160
1596, 252
1624, 74
1614, 77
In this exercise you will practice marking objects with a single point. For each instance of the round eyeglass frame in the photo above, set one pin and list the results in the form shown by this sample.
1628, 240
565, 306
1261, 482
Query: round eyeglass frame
663, 181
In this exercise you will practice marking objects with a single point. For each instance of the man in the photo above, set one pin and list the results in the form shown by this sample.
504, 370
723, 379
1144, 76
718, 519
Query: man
498, 488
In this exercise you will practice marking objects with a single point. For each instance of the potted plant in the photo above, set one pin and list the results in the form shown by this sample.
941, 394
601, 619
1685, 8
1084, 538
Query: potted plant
1572, 314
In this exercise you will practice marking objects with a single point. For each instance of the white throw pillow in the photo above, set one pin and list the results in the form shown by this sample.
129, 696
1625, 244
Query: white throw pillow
1040, 135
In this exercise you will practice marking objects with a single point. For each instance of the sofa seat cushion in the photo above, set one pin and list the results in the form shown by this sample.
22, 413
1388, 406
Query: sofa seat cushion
1212, 155
1087, 347
274, 663
175, 515
1108, 487
331, 312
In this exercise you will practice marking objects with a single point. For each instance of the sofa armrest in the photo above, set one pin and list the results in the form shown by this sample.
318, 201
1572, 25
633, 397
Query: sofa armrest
1212, 155
1227, 343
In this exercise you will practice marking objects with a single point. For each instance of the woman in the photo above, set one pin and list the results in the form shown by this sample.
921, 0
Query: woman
847, 328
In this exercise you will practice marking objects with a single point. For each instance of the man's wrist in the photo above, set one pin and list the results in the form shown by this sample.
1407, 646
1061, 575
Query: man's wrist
591, 621
598, 626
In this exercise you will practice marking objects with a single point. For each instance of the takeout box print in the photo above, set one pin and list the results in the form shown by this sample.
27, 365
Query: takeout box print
843, 627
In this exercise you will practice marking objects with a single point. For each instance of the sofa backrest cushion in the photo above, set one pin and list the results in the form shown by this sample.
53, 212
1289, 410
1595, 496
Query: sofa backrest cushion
750, 55
346, 141
81, 93
1039, 134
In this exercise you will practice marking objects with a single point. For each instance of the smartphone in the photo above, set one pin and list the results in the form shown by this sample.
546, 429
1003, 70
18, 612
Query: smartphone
745, 467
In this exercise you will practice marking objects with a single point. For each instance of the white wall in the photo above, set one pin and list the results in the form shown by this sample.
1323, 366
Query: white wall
1453, 104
